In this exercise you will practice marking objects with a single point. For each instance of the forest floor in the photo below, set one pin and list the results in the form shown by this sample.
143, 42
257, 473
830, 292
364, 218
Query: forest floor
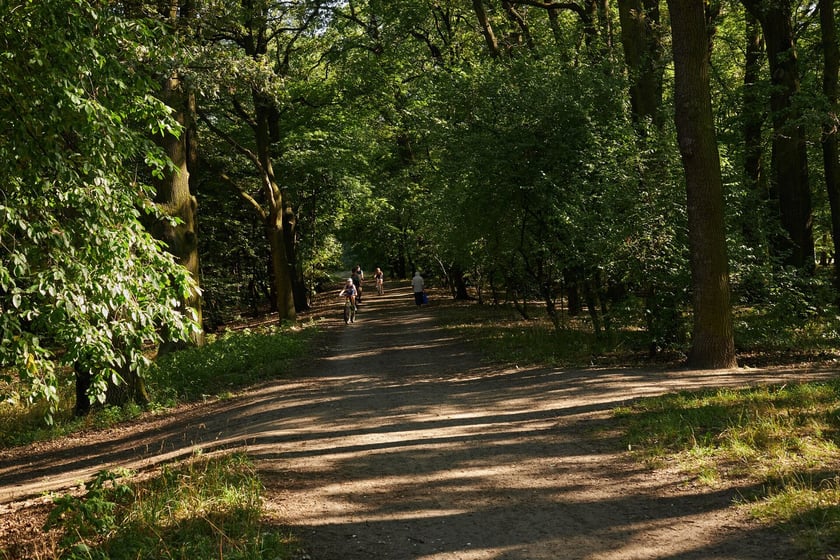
398, 441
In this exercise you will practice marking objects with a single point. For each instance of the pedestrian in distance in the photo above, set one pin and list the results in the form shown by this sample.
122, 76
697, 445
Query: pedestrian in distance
418, 286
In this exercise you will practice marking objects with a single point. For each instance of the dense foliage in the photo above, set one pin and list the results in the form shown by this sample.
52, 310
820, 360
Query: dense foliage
81, 281
513, 151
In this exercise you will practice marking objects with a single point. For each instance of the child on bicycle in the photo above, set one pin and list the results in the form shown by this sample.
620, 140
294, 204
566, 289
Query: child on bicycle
350, 293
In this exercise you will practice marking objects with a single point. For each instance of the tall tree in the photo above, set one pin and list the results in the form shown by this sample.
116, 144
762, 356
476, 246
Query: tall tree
831, 155
713, 343
179, 229
754, 114
258, 39
789, 186
643, 50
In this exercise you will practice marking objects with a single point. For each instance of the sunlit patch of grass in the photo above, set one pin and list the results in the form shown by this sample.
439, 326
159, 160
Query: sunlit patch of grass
205, 508
807, 505
781, 440
23, 424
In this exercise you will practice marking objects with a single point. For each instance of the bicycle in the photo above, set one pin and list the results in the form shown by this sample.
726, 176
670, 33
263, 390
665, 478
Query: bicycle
379, 287
349, 310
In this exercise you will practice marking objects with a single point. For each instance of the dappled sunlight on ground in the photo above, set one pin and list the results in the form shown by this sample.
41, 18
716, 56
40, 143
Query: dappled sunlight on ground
400, 442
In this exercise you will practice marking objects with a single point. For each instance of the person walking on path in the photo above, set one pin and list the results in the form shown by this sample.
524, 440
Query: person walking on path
417, 285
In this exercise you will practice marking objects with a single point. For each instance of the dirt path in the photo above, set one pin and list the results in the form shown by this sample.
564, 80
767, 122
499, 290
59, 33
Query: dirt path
399, 445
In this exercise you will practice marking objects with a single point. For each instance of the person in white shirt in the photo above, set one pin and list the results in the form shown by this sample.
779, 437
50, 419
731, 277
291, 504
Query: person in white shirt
418, 287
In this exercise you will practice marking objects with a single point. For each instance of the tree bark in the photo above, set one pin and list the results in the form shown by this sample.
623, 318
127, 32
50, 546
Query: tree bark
643, 53
640, 37
754, 113
275, 232
713, 345
789, 186
174, 198
486, 28
831, 164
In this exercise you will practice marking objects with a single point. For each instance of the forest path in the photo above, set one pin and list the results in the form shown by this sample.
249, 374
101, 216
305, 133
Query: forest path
404, 445
400, 443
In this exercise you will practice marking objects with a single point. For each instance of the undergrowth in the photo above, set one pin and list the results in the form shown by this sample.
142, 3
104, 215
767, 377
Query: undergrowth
203, 508
782, 442
226, 364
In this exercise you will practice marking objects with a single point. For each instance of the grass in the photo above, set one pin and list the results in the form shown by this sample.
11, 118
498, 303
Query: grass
784, 442
503, 335
204, 508
228, 363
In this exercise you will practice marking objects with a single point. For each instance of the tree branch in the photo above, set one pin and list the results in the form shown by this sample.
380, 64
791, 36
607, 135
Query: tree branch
552, 6
230, 140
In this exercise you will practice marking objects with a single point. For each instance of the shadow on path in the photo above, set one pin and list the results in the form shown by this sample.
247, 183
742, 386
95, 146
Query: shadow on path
400, 443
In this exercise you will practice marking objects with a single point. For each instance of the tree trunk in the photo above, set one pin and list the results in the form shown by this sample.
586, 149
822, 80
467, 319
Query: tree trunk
571, 281
173, 197
299, 292
643, 54
132, 389
754, 114
275, 231
605, 23
83, 379
713, 344
280, 270
642, 43
459, 284
789, 186
831, 68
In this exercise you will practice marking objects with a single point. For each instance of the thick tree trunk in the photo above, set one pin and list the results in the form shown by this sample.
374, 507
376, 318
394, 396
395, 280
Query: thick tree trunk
831, 68
83, 380
173, 197
132, 389
789, 186
459, 284
299, 292
713, 343
280, 270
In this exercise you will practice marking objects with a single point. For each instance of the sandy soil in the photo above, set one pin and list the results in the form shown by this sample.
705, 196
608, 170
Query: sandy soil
400, 443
